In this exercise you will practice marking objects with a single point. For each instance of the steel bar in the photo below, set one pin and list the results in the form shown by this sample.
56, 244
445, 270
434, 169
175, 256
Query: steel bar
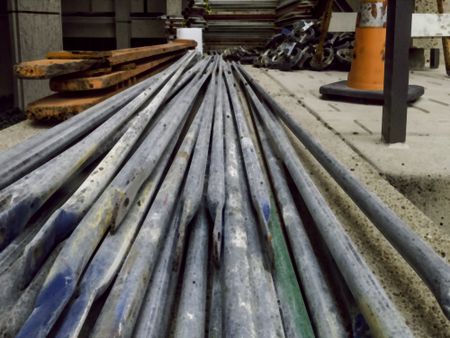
15, 314
110, 255
12, 270
190, 73
258, 189
357, 323
322, 304
431, 267
23, 198
268, 322
191, 314
63, 277
384, 319
215, 302
237, 309
125, 299
192, 194
62, 222
295, 316
153, 319
215, 196
31, 153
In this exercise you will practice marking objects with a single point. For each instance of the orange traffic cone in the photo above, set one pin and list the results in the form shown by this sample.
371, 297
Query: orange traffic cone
367, 71
366, 77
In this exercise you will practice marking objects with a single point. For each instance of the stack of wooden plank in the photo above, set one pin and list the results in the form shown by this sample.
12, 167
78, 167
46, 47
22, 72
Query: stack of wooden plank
82, 79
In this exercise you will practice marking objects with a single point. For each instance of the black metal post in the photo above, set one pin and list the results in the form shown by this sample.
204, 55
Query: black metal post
396, 78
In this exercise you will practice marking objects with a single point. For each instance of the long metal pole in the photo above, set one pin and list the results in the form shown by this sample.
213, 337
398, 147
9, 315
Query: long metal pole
385, 320
322, 304
258, 188
23, 198
237, 305
215, 196
190, 320
432, 268
65, 219
111, 254
125, 299
101, 217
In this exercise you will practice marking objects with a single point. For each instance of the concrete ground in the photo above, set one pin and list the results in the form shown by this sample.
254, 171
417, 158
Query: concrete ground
351, 132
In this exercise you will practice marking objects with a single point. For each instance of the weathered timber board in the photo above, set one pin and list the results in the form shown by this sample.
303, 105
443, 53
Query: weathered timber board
119, 56
45, 69
62, 106
104, 81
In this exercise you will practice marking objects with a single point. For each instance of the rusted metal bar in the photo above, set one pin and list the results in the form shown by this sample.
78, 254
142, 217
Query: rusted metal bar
384, 319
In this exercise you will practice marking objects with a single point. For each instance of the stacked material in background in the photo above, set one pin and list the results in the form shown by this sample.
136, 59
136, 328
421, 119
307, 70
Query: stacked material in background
82, 79
172, 23
194, 14
239, 23
291, 11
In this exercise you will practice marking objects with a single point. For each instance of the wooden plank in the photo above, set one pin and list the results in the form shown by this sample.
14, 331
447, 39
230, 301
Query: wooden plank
45, 69
104, 81
119, 56
62, 106
78, 54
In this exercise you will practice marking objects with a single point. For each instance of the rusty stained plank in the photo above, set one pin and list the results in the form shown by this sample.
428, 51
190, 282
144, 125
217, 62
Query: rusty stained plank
119, 56
45, 69
106, 80
63, 106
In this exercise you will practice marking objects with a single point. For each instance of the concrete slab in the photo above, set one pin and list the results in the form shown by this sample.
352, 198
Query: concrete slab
339, 134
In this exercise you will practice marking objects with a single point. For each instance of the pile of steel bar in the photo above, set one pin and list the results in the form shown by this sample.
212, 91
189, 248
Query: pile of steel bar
85, 78
167, 211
